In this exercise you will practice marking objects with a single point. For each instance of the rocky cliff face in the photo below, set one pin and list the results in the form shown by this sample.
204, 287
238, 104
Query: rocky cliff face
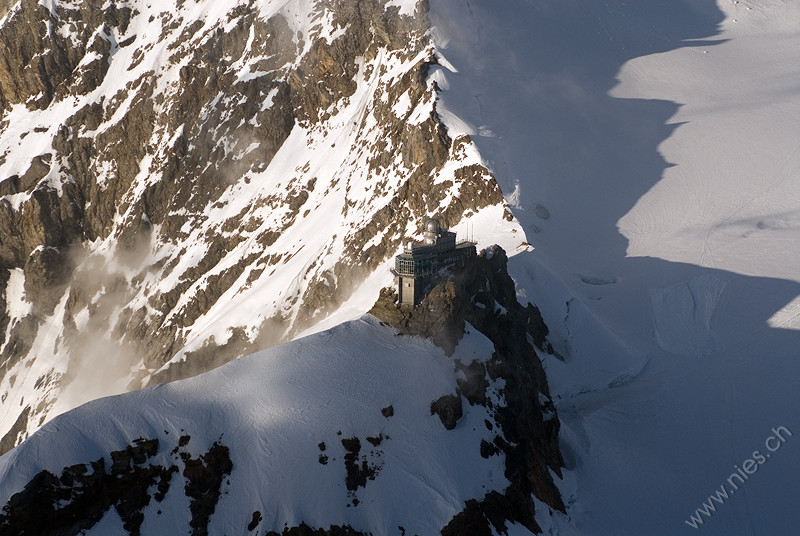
183, 183
483, 297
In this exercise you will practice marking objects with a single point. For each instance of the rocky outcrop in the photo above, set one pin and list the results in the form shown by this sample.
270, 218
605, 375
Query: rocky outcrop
449, 410
80, 496
17, 430
204, 477
77, 499
483, 295
40, 64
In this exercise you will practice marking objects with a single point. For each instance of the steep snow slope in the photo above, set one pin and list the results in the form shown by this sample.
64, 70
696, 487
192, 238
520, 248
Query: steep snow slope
183, 183
273, 410
650, 150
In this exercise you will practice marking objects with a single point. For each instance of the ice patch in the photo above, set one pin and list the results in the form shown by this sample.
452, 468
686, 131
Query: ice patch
402, 106
407, 7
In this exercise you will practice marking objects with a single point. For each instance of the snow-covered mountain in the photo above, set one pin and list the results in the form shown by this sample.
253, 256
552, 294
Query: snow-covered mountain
289, 419
648, 150
186, 182
362, 429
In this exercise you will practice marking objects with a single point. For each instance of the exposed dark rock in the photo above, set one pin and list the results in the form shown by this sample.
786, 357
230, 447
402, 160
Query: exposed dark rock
204, 477
474, 383
20, 340
471, 521
16, 432
448, 408
40, 166
388, 411
255, 521
77, 499
489, 449
80, 496
123, 460
46, 272
358, 469
35, 509
40, 63
10, 185
323, 459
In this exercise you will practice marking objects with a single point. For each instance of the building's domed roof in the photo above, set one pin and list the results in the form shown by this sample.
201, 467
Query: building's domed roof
433, 226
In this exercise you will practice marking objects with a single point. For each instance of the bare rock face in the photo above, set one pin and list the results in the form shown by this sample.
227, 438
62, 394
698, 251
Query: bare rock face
448, 408
483, 295
160, 176
40, 64
79, 497
46, 268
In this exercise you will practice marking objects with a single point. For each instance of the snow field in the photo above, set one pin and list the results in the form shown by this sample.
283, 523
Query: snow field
272, 409
661, 138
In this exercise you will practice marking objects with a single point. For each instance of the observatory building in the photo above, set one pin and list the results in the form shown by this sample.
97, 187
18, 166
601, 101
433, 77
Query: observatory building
418, 265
